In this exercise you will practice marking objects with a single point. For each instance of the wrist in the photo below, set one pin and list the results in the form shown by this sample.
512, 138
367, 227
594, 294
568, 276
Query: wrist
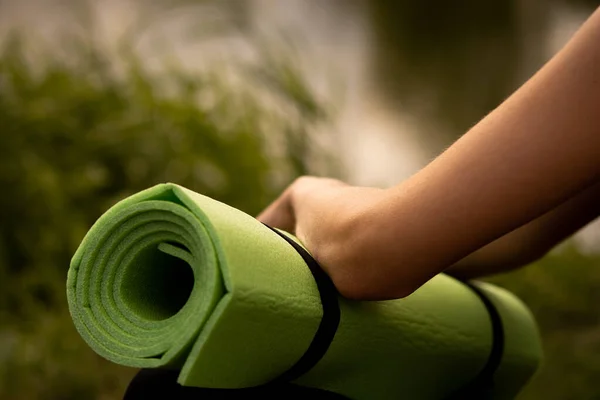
334, 222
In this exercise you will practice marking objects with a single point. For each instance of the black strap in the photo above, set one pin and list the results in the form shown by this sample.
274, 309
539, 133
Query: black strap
482, 385
329, 321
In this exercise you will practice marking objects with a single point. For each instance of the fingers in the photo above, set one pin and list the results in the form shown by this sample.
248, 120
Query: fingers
282, 213
279, 214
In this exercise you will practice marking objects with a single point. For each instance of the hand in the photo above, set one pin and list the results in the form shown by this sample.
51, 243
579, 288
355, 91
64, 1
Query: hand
327, 216
299, 196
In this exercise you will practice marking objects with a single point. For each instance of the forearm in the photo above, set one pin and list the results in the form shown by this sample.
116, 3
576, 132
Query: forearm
532, 241
531, 154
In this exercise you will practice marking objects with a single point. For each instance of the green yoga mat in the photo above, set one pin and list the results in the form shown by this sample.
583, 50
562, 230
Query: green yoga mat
171, 278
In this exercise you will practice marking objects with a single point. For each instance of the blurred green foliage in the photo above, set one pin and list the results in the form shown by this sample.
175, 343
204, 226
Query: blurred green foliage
81, 128
561, 291
449, 63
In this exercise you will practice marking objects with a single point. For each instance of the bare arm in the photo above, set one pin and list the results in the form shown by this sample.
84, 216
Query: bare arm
538, 149
531, 241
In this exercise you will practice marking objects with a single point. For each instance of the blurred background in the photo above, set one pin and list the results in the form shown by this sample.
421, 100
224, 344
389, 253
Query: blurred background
234, 99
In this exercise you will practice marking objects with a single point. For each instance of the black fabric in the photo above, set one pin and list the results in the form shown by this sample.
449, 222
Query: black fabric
329, 321
162, 384
481, 387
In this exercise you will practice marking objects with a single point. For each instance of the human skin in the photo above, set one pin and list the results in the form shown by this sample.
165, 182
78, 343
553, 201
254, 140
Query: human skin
523, 179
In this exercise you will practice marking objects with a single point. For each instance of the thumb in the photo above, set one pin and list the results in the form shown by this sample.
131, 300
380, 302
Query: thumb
279, 214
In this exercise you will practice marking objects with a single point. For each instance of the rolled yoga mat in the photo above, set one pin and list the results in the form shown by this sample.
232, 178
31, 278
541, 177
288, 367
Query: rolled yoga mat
171, 278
